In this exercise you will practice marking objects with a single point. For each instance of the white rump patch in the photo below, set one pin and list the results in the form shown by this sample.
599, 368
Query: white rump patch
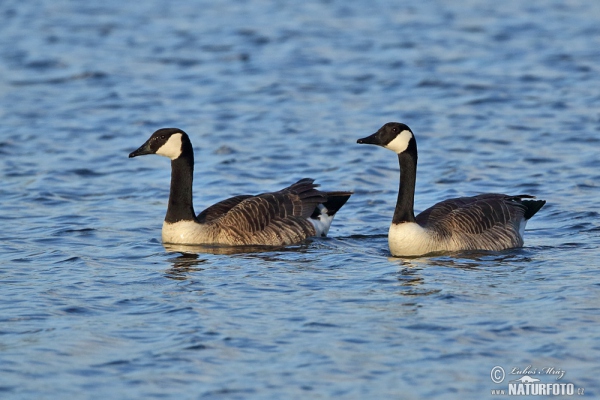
322, 222
400, 142
522, 225
172, 148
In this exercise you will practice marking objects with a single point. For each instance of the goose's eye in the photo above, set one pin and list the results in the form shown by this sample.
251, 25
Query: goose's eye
395, 130
163, 137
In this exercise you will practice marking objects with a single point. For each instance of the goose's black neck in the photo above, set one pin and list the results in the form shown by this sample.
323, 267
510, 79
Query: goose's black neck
406, 193
181, 207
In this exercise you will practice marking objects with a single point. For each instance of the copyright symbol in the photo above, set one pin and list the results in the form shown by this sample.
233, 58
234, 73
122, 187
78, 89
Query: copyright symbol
497, 374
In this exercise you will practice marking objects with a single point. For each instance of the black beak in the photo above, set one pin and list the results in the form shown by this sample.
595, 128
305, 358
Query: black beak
373, 139
143, 150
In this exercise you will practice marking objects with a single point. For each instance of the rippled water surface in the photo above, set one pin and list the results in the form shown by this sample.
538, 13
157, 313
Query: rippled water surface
502, 97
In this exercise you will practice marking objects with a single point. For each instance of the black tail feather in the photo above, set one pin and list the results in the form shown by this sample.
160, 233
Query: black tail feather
335, 201
532, 206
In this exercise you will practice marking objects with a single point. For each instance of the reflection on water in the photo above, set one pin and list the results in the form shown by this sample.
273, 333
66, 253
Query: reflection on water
219, 249
471, 259
183, 265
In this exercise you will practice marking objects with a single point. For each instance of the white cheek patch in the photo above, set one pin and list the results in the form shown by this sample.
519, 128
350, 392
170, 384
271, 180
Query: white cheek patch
172, 148
400, 142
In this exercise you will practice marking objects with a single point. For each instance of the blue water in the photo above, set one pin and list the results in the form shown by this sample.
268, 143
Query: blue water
502, 97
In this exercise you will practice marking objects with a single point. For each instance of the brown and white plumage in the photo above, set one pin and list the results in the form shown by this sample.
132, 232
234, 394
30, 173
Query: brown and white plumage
485, 222
488, 221
277, 218
280, 218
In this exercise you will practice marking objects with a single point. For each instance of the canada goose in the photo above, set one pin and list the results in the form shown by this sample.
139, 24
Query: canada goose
485, 222
273, 219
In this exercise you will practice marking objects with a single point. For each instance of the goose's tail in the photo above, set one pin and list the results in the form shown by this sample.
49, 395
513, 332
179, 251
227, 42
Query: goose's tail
533, 206
323, 214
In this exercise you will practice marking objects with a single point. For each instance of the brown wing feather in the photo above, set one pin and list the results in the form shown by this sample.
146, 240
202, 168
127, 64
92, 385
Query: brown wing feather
217, 210
485, 221
277, 218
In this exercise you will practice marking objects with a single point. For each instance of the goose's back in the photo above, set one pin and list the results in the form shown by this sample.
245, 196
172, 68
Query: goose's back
485, 222
276, 218
221, 208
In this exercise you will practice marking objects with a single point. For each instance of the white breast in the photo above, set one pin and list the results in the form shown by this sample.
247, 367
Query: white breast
184, 232
410, 239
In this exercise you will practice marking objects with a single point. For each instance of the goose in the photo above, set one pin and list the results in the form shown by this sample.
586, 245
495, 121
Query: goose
281, 218
488, 221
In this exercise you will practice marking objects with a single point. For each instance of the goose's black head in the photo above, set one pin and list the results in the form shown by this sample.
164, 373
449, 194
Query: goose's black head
394, 136
168, 142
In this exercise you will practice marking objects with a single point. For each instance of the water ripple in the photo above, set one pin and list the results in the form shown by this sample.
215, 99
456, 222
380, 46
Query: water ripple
270, 93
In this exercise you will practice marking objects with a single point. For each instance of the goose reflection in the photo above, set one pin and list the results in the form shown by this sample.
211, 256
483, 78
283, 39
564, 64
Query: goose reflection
220, 249
189, 259
183, 265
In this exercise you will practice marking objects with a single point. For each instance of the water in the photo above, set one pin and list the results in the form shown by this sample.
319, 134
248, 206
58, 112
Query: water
501, 97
